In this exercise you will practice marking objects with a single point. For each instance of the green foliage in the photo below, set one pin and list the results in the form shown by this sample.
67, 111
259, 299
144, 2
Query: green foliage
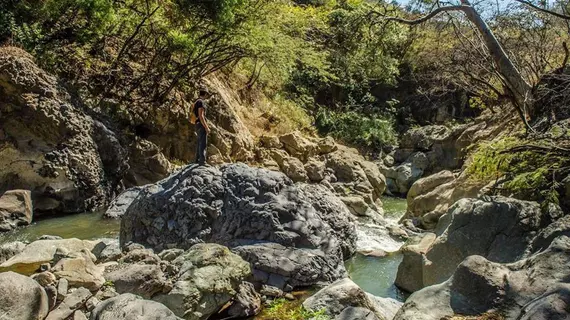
355, 128
523, 171
282, 309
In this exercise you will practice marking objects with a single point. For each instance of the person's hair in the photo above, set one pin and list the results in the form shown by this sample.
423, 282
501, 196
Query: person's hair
203, 93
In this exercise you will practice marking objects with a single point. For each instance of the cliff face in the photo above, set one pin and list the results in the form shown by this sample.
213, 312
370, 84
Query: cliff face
70, 161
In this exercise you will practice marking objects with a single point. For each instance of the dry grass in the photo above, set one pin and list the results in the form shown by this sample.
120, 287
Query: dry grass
15, 51
486, 316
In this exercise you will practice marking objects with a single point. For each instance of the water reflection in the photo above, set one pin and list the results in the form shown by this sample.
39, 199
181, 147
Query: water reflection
82, 226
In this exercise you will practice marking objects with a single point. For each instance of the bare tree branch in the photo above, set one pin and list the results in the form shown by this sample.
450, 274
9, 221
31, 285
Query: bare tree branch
426, 17
535, 7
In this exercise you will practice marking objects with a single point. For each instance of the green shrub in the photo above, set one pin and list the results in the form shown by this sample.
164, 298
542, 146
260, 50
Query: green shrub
530, 169
352, 127
282, 309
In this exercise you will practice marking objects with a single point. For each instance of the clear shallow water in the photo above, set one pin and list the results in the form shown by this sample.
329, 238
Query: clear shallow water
394, 208
82, 226
376, 275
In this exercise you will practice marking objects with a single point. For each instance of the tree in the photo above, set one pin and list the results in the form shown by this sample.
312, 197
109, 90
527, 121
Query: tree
519, 88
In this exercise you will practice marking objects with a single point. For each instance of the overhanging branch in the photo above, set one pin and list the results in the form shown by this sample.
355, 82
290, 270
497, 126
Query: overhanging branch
535, 7
428, 16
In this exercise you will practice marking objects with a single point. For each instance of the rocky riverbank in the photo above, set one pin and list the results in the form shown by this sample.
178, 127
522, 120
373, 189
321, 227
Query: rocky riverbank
265, 237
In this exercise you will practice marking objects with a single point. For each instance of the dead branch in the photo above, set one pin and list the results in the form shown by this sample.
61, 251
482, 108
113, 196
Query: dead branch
535, 7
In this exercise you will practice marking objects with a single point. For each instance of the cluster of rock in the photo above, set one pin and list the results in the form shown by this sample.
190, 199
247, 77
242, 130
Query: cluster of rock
357, 181
75, 279
498, 255
210, 239
68, 160
430, 149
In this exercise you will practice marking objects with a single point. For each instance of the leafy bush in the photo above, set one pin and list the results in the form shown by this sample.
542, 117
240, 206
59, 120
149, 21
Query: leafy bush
530, 169
352, 127
282, 309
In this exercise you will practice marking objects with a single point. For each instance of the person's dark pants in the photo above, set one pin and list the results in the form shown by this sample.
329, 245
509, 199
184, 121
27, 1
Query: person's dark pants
201, 144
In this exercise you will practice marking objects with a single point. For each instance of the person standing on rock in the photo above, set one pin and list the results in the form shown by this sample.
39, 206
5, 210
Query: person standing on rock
198, 118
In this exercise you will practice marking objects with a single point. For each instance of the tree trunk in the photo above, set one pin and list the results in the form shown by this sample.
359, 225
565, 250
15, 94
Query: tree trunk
519, 87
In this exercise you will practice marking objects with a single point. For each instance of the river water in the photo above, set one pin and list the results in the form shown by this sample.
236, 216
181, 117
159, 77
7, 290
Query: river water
85, 226
375, 275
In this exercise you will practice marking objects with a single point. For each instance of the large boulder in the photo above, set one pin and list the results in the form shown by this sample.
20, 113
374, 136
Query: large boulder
342, 298
129, 306
480, 227
43, 251
69, 161
236, 206
15, 209
430, 198
209, 276
21, 298
80, 271
532, 288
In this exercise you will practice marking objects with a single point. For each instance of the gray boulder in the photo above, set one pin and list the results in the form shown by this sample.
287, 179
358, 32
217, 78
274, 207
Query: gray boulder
532, 288
21, 298
343, 299
252, 210
131, 307
478, 227
15, 209
209, 276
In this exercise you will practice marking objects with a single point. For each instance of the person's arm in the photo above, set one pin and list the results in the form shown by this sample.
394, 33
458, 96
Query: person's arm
203, 120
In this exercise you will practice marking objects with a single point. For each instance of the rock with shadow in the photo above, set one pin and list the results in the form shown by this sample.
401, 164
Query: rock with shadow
499, 229
292, 234
532, 288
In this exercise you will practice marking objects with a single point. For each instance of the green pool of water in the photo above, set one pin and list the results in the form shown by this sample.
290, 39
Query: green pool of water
82, 226
394, 207
376, 275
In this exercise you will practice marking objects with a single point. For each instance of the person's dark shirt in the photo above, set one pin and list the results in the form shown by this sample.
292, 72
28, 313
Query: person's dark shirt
199, 104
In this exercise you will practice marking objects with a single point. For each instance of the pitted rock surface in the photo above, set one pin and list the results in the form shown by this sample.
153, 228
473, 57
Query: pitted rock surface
240, 206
